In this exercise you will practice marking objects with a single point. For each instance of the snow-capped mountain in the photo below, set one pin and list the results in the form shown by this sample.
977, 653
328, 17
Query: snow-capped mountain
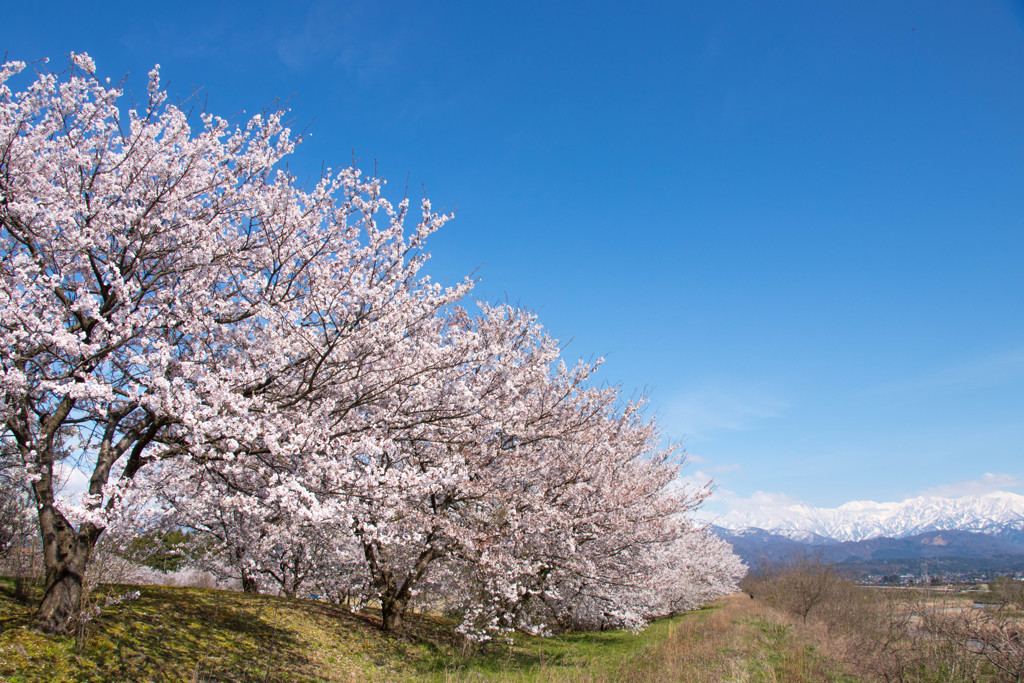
945, 552
998, 514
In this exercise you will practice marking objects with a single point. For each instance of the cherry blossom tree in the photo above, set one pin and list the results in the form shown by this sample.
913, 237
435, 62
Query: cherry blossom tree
267, 365
591, 526
166, 293
400, 472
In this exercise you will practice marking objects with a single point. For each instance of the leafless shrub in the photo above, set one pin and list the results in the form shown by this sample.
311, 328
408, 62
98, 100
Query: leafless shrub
901, 634
987, 634
797, 586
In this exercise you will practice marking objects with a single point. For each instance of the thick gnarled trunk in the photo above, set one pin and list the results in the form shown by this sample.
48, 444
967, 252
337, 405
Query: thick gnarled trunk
66, 551
66, 554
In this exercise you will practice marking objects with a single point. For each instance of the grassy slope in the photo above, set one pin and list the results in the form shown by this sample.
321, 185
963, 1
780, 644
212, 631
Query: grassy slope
178, 634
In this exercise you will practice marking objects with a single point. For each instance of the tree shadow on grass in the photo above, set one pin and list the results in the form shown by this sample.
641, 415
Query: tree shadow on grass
536, 656
189, 634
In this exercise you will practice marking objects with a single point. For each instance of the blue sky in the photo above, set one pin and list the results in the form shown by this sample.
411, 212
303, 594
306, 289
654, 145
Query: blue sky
797, 225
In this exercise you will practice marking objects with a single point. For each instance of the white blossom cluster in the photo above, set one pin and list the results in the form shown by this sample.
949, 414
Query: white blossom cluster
267, 365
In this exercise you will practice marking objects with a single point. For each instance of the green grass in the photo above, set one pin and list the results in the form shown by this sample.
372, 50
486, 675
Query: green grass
188, 634
606, 655
184, 634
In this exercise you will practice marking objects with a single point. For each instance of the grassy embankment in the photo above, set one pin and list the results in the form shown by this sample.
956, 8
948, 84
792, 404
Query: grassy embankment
178, 634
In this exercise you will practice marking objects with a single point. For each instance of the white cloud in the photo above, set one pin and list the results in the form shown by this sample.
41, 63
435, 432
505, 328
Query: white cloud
765, 499
722, 494
332, 31
981, 371
705, 475
698, 479
715, 409
730, 509
987, 483
72, 482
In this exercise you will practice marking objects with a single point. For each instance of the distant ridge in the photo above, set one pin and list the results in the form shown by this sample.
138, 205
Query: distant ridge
999, 514
981, 551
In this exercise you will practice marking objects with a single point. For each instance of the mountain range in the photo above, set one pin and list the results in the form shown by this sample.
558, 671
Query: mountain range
998, 514
971, 534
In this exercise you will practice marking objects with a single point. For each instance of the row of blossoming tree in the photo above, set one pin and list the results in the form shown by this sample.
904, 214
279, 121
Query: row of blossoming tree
227, 352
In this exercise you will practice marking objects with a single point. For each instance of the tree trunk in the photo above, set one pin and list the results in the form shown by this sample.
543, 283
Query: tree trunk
292, 588
392, 609
394, 598
66, 555
249, 584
